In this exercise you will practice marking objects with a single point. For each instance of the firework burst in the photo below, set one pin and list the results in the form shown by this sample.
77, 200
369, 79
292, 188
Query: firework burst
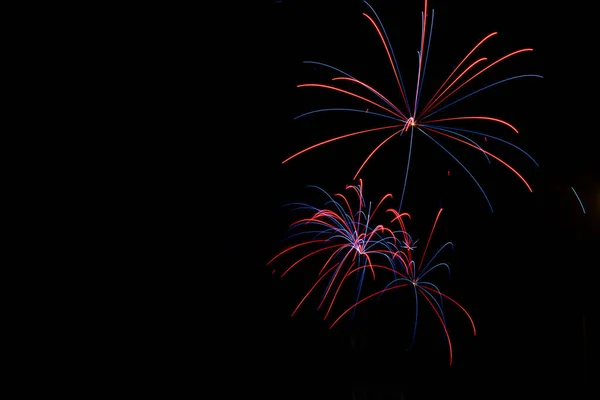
409, 272
413, 116
346, 234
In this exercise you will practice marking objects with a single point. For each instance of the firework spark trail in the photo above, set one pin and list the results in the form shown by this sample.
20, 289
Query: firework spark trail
348, 235
414, 276
578, 199
410, 117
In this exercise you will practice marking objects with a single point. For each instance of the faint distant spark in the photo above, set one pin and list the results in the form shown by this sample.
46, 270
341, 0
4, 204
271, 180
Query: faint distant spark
578, 199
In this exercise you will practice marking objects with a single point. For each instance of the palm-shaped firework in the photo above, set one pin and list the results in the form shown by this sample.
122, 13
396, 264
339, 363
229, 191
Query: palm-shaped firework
410, 272
413, 116
347, 234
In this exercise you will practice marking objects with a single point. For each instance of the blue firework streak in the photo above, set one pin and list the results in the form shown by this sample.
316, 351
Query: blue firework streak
578, 199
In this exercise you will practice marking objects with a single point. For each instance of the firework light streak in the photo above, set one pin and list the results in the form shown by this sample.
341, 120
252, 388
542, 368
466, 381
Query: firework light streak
417, 117
578, 199
410, 272
347, 234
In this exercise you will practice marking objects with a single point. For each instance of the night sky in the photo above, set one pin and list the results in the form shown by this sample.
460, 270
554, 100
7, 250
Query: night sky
524, 272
